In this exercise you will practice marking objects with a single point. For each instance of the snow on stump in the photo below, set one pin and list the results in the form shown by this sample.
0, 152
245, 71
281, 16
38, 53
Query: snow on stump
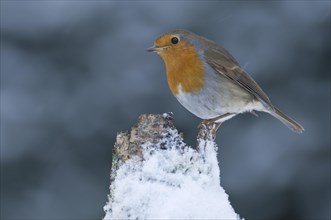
155, 175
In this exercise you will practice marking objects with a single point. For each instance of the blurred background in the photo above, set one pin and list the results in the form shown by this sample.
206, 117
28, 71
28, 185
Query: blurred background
74, 73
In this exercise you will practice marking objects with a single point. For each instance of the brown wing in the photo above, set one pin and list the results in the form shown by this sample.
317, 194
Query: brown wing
222, 61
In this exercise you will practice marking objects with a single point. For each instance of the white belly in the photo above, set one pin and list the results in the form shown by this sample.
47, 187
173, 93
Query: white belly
218, 97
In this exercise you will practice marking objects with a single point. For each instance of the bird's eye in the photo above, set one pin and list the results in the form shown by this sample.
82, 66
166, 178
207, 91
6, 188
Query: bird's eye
174, 40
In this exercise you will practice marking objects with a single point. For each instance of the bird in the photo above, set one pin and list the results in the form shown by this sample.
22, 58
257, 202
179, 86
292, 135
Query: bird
209, 82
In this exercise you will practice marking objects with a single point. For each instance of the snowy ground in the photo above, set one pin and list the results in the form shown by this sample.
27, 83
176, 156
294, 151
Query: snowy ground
173, 181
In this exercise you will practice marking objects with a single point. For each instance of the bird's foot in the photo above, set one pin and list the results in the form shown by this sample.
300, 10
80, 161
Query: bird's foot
209, 126
208, 129
212, 125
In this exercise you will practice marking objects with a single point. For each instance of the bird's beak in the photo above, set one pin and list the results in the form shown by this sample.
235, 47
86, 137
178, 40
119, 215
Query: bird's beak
156, 49
153, 49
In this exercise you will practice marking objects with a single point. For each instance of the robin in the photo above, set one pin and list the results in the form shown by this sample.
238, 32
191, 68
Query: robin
208, 81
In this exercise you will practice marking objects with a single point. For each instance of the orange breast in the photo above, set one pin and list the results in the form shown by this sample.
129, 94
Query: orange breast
184, 68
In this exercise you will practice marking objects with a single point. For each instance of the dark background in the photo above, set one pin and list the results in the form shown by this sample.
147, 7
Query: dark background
74, 73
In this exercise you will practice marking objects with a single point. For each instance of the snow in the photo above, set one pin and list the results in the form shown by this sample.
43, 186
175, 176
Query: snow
173, 181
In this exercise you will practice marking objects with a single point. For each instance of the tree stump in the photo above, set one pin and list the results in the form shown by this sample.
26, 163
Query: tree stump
156, 175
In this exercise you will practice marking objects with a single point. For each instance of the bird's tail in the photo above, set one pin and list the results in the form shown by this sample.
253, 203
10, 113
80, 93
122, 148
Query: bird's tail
289, 122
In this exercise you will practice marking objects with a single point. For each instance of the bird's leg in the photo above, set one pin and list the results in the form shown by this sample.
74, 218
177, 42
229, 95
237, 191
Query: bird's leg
219, 118
208, 129
214, 123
